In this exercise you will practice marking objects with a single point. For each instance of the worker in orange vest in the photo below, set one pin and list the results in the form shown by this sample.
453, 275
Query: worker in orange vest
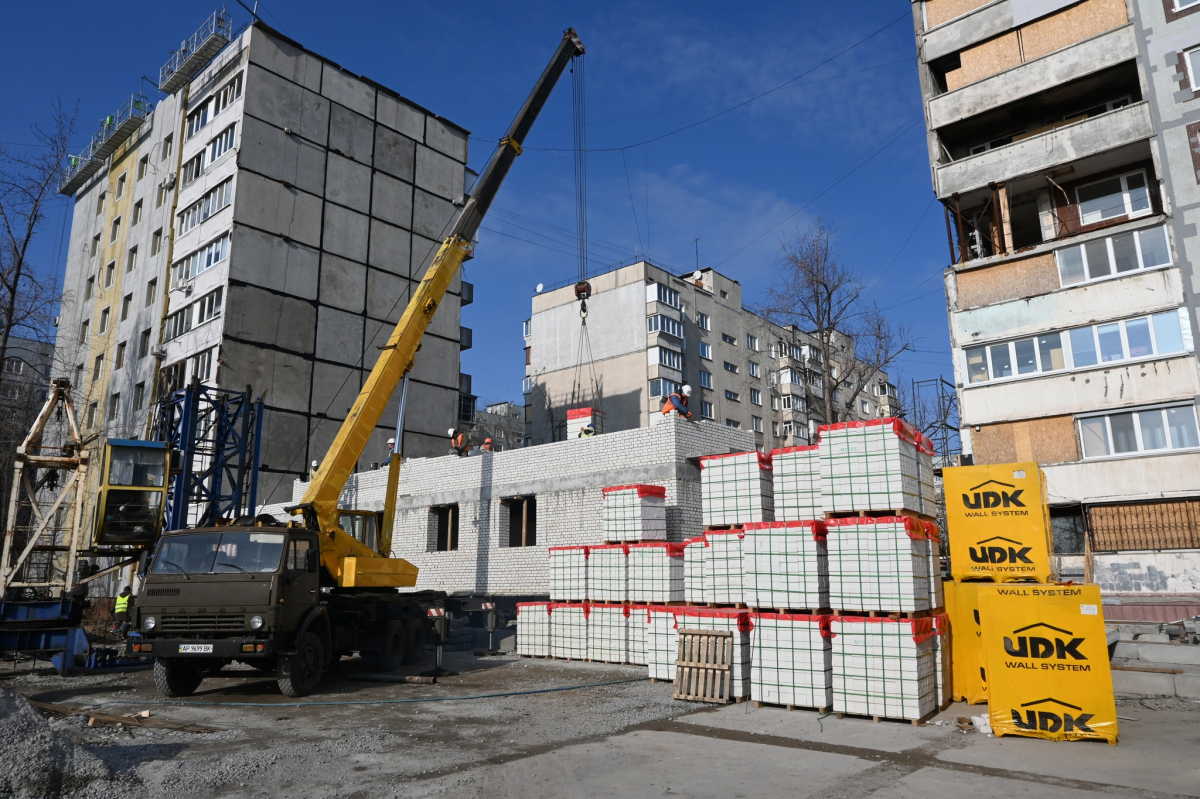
458, 443
678, 402
487, 445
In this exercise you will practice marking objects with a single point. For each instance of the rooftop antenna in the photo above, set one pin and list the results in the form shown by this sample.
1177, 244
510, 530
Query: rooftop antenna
696, 241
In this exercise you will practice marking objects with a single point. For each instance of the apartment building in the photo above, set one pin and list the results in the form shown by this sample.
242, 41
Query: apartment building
261, 225
503, 422
1062, 139
649, 332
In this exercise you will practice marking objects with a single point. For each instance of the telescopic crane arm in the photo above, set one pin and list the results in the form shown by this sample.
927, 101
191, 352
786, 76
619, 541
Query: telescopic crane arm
352, 563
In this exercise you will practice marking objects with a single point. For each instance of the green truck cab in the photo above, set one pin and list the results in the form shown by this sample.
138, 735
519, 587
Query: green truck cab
259, 595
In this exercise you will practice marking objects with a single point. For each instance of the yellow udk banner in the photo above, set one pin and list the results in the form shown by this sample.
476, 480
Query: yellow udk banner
1047, 662
998, 523
966, 642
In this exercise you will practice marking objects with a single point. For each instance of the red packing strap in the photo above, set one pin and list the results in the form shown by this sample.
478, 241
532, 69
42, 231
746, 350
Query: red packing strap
915, 528
744, 623
941, 623
626, 610
923, 629
643, 490
820, 532
587, 610
825, 625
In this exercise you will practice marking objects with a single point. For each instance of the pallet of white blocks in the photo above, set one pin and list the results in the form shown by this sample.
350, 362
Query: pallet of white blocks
785, 566
694, 549
879, 564
635, 513
579, 418
635, 626
736, 489
608, 633
874, 466
791, 660
884, 668
569, 630
796, 477
656, 572
661, 641
568, 573
943, 664
608, 573
723, 567
723, 620
533, 629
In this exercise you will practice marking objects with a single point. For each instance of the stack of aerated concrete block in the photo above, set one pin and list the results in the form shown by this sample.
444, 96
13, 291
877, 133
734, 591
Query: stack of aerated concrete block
879, 564
656, 572
796, 475
884, 667
723, 567
568, 573
635, 513
533, 629
694, 588
874, 466
569, 630
736, 489
608, 633
608, 573
792, 660
661, 637
785, 565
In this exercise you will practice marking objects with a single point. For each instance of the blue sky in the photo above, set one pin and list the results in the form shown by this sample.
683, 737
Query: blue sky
844, 141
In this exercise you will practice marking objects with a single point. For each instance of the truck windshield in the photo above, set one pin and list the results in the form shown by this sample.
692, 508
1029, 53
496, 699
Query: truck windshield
218, 553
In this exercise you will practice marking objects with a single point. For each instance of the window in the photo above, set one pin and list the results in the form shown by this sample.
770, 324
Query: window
89, 288
706, 410
151, 292
522, 520
755, 396
114, 405
1126, 195
120, 359
91, 414
663, 387
197, 120
83, 332
189, 217
728, 339
95, 245
139, 396
228, 93
702, 321
774, 402
1163, 333
791, 402
144, 344
667, 296
100, 203
752, 343
864, 408
137, 213
131, 259
209, 306
705, 379
752, 368
156, 242
731, 367
732, 396
166, 148
202, 365
669, 358
734, 423
97, 367
193, 169
706, 351
775, 429
109, 272
1115, 255
178, 323
756, 424
1149, 430
525, 332
125, 303
787, 429
1099, 108
116, 230
664, 324
445, 522
212, 253
724, 294
527, 385
222, 144
997, 142
162, 195
104, 320
13, 366
143, 165
121, 186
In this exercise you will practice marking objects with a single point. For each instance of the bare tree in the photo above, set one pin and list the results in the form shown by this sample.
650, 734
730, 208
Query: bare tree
823, 297
28, 180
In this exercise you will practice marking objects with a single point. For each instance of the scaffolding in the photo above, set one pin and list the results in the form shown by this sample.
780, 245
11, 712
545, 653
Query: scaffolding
114, 130
195, 52
936, 400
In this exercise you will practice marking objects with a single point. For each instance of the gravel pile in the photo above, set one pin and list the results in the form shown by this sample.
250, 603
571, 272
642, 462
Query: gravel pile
36, 761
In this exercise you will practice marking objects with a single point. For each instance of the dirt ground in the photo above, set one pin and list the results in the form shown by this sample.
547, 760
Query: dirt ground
628, 738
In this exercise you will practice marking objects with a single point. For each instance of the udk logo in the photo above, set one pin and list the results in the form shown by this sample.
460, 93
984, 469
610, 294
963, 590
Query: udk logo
1030, 646
1052, 720
994, 499
999, 554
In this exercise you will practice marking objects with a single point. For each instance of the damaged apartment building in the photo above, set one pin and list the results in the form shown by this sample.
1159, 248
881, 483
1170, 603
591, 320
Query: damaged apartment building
261, 224
1063, 141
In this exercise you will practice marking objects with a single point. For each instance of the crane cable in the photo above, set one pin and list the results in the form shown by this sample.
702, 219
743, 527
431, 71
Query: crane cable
583, 289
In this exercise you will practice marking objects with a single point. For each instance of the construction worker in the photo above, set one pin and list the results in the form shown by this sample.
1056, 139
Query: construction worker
458, 443
487, 445
678, 402
121, 609
587, 431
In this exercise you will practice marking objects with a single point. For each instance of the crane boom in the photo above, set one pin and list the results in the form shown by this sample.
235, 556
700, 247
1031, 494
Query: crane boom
352, 563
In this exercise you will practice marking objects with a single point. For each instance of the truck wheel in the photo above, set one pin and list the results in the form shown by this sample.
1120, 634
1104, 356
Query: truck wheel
391, 656
300, 673
174, 677
416, 643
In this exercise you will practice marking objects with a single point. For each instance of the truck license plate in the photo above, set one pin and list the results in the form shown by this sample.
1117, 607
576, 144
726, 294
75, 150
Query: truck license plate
195, 648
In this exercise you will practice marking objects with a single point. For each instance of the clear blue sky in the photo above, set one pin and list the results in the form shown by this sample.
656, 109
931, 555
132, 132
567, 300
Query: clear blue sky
740, 182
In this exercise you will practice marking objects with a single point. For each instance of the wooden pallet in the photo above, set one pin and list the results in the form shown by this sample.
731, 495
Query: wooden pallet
725, 605
877, 514
795, 611
537, 657
704, 666
914, 722
722, 528
889, 614
826, 709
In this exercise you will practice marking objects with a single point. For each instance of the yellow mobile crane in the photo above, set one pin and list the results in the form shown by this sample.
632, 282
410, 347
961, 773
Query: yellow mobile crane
298, 597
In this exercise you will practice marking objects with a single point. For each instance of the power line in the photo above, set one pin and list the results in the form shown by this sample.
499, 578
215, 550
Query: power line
916, 227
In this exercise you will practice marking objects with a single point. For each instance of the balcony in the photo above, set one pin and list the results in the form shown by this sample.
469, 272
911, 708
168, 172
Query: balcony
195, 52
466, 338
114, 130
967, 29
1046, 151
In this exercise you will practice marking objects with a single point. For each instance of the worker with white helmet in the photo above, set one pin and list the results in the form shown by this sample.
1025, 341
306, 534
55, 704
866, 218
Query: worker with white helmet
677, 402
458, 443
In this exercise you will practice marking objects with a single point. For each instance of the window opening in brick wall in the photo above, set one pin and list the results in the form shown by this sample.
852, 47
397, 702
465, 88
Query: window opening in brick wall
522, 520
446, 522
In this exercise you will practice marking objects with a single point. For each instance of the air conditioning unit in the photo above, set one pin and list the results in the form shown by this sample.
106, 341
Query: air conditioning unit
159, 352
169, 183
187, 290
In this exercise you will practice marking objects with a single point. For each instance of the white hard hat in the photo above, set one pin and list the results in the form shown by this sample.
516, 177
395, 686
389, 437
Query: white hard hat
687, 391
450, 432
